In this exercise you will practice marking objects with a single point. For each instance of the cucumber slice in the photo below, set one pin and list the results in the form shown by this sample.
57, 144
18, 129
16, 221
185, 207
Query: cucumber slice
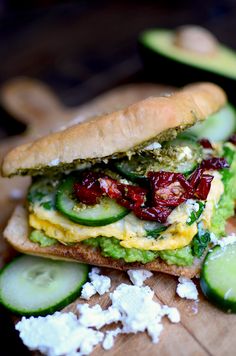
104, 213
217, 127
38, 286
218, 277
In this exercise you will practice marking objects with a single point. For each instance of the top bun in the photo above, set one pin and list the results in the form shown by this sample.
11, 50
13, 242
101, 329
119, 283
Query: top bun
118, 133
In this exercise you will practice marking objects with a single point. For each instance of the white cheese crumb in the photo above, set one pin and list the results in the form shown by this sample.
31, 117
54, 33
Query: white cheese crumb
54, 162
58, 334
213, 238
186, 153
191, 205
88, 291
68, 334
138, 276
99, 284
124, 181
109, 339
187, 289
152, 146
138, 311
16, 194
228, 240
172, 313
227, 294
96, 317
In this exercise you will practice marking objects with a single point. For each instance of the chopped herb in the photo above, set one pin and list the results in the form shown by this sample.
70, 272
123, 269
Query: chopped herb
200, 241
48, 205
194, 216
35, 195
156, 232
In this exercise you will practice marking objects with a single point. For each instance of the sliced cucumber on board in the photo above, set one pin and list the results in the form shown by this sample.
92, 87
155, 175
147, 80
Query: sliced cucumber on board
218, 277
217, 127
38, 286
104, 213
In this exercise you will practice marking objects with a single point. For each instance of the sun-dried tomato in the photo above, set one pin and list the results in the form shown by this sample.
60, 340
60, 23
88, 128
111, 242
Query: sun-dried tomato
88, 190
203, 187
194, 178
205, 143
130, 196
214, 163
156, 213
110, 187
167, 188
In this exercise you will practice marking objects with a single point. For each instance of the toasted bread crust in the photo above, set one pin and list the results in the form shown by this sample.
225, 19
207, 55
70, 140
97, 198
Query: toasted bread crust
17, 232
117, 132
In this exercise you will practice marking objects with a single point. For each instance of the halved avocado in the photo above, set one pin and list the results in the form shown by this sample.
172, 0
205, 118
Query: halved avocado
168, 62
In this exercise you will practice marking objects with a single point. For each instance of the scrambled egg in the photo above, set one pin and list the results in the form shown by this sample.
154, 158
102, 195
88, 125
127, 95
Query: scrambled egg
130, 230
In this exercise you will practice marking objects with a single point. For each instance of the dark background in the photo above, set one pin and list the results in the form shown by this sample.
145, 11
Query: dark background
82, 48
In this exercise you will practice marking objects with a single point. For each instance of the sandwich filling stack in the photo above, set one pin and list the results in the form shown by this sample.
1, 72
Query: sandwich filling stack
130, 189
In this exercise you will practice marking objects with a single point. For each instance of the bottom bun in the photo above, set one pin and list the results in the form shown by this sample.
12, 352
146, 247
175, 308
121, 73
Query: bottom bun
17, 232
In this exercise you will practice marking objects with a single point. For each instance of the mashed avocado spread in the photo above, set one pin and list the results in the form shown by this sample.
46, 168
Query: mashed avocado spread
225, 207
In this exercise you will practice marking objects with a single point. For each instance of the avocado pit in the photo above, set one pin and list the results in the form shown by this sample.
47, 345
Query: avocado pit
196, 39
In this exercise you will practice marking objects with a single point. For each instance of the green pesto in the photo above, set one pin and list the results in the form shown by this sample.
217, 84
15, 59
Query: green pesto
164, 136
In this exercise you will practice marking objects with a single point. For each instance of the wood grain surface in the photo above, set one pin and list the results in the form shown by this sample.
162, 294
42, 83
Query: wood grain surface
203, 330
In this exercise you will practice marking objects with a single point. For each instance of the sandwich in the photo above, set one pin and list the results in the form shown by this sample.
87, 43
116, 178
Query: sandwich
129, 189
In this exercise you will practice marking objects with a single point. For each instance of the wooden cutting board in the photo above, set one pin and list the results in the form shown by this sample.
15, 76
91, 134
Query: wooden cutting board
203, 330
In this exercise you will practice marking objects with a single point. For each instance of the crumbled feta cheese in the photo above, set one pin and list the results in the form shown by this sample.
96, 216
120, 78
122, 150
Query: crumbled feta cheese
124, 181
191, 205
68, 334
207, 152
138, 276
186, 153
213, 238
54, 162
172, 313
99, 284
96, 317
88, 291
227, 294
109, 339
187, 289
152, 146
58, 334
228, 240
16, 194
138, 311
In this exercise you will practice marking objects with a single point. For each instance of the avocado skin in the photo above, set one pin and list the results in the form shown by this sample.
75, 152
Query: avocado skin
162, 69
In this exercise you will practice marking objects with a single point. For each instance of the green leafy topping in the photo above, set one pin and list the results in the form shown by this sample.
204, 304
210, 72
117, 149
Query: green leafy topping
200, 241
40, 238
35, 195
155, 233
195, 215
48, 205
